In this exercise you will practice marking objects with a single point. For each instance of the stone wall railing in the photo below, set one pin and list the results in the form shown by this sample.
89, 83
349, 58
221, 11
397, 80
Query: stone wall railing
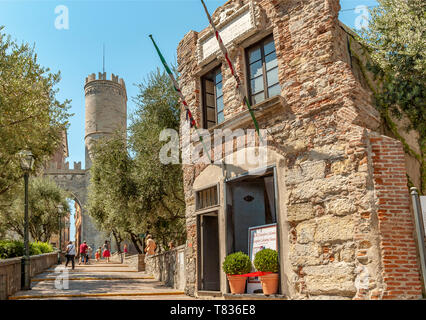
10, 271
168, 267
131, 260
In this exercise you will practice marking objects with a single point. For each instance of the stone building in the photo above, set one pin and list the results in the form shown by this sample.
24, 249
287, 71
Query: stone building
333, 186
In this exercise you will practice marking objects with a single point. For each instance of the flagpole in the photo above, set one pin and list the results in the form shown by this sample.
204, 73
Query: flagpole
177, 89
231, 66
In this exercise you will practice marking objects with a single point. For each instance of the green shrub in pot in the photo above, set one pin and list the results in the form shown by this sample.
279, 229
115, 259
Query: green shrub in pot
237, 263
266, 260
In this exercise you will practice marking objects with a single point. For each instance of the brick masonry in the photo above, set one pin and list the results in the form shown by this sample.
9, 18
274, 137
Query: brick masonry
346, 208
395, 222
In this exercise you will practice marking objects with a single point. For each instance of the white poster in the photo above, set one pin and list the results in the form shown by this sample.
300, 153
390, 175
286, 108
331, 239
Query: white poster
260, 237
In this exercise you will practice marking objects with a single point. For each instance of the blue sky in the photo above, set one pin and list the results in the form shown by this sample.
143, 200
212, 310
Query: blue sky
123, 26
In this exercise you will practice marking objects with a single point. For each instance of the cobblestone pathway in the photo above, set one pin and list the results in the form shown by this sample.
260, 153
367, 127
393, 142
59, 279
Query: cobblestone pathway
98, 281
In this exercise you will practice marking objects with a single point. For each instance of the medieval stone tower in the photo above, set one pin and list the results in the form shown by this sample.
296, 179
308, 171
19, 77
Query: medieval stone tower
106, 109
106, 112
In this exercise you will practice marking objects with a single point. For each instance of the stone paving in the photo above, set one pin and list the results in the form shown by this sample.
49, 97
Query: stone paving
99, 280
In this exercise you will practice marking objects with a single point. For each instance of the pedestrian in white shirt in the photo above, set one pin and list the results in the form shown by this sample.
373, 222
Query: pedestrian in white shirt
70, 254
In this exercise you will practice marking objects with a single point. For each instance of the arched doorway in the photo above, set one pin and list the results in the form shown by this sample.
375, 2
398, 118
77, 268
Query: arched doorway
70, 225
75, 221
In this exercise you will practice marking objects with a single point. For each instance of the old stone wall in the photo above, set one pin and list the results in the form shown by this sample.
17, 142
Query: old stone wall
10, 277
325, 130
10, 271
105, 109
168, 267
131, 260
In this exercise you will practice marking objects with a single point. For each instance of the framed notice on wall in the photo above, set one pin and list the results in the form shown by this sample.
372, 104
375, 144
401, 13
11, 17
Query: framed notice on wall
260, 237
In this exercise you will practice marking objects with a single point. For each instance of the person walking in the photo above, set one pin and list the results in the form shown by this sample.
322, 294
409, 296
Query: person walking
98, 254
89, 254
83, 252
70, 254
106, 254
150, 245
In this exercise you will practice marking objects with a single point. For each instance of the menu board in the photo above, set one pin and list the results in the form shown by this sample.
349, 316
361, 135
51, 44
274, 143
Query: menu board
260, 237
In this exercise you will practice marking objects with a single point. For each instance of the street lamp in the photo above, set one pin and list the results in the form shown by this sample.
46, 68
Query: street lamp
60, 210
27, 163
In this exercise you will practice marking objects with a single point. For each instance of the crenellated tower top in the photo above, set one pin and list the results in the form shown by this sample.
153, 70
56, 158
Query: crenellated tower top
106, 108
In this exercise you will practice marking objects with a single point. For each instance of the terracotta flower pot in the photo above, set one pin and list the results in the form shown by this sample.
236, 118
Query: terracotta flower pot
269, 283
237, 284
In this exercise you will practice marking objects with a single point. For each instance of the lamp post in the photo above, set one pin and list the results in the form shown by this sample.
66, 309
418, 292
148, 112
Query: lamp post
27, 163
60, 209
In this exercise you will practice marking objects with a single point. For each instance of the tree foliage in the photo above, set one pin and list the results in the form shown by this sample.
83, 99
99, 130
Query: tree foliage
30, 115
133, 195
396, 41
44, 197
161, 184
113, 194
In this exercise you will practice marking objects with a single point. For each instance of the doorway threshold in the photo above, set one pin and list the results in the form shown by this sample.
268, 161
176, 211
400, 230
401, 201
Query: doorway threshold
207, 293
253, 296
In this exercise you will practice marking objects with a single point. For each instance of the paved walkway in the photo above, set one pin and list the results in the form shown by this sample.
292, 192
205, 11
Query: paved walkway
97, 281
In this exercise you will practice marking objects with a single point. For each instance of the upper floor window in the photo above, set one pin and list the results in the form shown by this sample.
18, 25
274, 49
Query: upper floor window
263, 70
212, 98
207, 198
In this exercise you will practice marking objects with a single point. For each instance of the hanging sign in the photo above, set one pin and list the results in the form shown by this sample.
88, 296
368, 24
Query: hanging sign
260, 237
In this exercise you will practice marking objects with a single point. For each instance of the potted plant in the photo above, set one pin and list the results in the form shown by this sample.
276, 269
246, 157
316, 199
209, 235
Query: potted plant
266, 260
235, 264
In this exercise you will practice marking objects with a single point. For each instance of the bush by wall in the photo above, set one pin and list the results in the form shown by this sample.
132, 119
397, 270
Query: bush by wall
14, 248
44, 247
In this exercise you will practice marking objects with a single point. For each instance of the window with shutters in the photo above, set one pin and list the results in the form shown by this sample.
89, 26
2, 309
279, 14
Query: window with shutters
207, 198
212, 98
262, 70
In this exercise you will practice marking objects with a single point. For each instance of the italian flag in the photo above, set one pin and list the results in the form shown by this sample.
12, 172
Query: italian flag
177, 89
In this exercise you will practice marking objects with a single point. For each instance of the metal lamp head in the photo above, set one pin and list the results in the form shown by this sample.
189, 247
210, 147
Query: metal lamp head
27, 160
60, 208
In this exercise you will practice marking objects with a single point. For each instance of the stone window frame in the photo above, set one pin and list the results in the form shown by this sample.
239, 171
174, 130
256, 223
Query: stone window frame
260, 43
204, 105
